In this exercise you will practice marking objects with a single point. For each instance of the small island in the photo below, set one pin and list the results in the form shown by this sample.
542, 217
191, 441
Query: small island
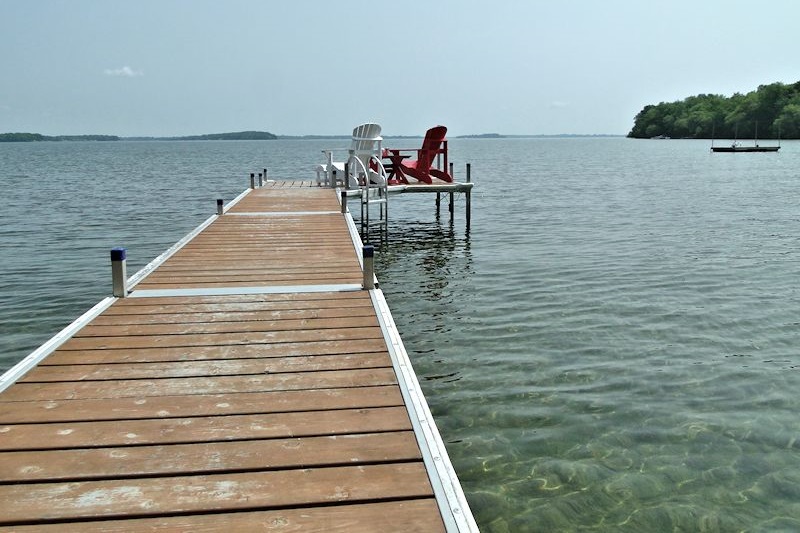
481, 136
772, 109
33, 137
234, 136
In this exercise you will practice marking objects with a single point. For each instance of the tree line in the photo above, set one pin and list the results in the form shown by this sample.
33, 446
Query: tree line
32, 137
773, 109
234, 136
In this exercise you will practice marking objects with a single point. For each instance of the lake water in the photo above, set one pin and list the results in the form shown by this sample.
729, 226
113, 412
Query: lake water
612, 347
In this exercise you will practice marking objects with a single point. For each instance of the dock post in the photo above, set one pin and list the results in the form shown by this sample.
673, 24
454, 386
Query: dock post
260, 180
220, 208
119, 278
438, 203
368, 254
344, 202
469, 195
451, 207
265, 175
252, 180
332, 171
451, 194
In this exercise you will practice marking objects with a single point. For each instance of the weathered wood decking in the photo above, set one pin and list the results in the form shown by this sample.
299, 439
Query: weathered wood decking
245, 384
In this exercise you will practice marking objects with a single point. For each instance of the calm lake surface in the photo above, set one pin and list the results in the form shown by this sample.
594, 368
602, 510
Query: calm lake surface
614, 346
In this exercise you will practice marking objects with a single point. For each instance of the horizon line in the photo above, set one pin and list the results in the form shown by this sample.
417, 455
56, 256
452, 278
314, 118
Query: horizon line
316, 135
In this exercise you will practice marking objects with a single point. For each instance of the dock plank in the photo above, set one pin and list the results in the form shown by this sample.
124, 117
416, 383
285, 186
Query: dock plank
161, 316
197, 405
145, 307
220, 339
401, 516
64, 435
292, 297
211, 352
236, 367
201, 385
222, 326
207, 457
217, 492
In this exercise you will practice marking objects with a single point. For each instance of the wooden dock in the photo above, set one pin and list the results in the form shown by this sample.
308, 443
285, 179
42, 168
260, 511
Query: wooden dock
247, 382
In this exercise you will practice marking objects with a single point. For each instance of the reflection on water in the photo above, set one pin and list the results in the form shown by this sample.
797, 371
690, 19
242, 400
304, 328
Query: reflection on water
426, 258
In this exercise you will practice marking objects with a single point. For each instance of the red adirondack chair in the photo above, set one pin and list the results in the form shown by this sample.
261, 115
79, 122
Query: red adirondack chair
421, 169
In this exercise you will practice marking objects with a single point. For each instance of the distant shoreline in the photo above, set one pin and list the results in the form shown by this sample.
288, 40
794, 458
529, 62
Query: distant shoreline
258, 136
537, 136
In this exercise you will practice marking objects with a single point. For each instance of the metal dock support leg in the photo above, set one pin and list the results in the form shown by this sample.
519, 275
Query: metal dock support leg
451, 207
469, 195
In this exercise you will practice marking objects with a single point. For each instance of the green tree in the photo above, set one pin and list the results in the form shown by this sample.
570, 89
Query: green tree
770, 108
787, 125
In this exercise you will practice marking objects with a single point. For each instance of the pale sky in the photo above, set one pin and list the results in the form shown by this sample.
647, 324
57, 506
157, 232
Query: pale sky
296, 67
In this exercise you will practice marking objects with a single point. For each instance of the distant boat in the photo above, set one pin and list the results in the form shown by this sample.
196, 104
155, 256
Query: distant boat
736, 146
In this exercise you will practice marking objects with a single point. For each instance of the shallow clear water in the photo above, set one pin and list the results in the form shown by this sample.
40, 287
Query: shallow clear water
612, 347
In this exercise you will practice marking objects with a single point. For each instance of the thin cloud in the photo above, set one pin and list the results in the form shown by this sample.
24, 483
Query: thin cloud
125, 72
558, 104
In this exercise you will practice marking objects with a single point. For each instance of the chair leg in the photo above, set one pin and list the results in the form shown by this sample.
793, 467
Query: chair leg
441, 174
419, 176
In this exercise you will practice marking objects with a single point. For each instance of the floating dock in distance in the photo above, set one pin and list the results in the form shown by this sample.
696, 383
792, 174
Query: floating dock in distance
247, 381
744, 149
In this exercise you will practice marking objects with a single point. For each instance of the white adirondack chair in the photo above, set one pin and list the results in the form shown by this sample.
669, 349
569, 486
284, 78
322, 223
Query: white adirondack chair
364, 158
